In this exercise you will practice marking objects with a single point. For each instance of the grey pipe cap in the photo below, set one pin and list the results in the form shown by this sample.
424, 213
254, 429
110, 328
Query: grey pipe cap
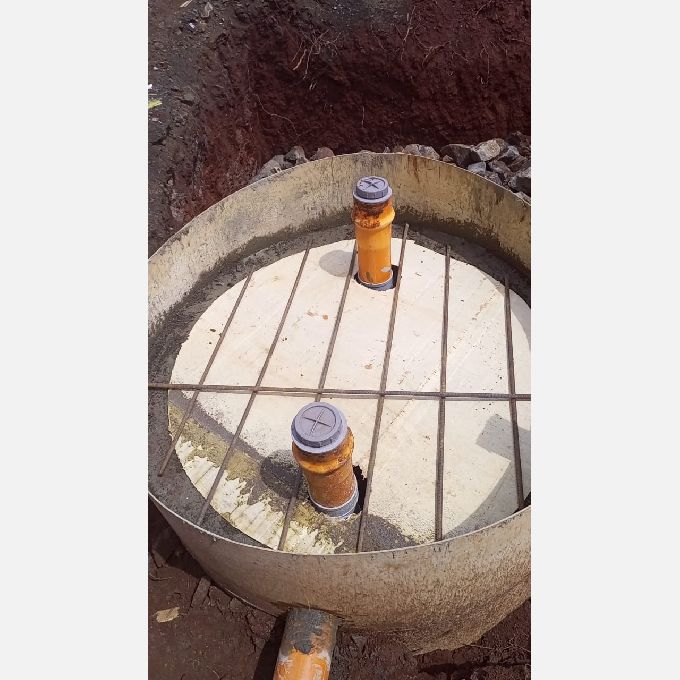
372, 190
318, 427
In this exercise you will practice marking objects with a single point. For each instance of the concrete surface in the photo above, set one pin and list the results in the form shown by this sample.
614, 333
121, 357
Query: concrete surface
479, 484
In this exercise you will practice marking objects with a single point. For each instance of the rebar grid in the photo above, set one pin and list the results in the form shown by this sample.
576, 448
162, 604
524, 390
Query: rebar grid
442, 395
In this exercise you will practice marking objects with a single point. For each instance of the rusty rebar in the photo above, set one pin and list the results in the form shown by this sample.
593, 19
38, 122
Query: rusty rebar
519, 483
441, 421
342, 392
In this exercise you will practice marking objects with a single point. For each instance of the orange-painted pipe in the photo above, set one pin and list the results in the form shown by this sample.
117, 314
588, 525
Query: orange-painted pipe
323, 445
307, 646
330, 476
373, 219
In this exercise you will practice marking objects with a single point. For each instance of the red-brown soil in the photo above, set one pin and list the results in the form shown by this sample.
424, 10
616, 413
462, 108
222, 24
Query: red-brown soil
258, 76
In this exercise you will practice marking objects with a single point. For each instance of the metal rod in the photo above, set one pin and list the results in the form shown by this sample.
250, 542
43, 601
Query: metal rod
244, 417
441, 422
336, 326
381, 398
289, 510
194, 396
513, 405
322, 382
342, 392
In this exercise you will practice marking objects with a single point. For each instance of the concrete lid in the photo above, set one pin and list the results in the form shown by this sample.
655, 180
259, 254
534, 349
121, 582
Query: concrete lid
479, 485
318, 428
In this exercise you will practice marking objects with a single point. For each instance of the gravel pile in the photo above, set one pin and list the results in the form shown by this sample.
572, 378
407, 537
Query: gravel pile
506, 162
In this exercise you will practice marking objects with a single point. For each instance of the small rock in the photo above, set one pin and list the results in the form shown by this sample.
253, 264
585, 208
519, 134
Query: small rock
491, 149
421, 150
509, 155
448, 159
521, 141
387, 150
296, 155
201, 591
187, 97
165, 615
207, 10
397, 148
462, 154
322, 152
492, 176
524, 197
158, 131
477, 167
480, 169
520, 163
271, 167
501, 168
521, 181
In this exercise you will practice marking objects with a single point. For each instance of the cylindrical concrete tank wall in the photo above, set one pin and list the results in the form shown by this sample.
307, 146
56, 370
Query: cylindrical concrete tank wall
439, 595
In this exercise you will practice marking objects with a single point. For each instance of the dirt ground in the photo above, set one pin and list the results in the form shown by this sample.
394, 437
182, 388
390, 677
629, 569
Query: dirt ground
241, 81
256, 77
215, 636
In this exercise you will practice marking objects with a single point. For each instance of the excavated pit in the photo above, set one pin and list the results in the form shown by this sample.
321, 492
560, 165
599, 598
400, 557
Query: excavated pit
255, 78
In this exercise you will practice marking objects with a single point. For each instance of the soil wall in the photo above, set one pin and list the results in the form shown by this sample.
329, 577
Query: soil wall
240, 82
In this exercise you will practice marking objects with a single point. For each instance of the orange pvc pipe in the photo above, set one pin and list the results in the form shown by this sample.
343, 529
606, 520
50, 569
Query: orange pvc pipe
306, 648
330, 476
373, 231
